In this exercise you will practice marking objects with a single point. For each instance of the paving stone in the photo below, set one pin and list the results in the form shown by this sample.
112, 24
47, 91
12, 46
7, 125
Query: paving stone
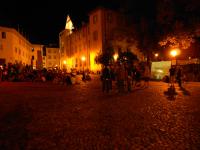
48, 116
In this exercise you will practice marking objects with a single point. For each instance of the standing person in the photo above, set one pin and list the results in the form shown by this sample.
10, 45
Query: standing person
112, 76
83, 76
172, 71
137, 76
120, 76
128, 75
106, 77
178, 77
147, 75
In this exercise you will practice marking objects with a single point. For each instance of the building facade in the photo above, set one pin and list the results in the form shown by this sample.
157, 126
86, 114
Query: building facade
103, 29
52, 58
37, 59
14, 48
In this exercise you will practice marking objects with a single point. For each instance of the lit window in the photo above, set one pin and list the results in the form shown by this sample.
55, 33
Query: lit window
3, 34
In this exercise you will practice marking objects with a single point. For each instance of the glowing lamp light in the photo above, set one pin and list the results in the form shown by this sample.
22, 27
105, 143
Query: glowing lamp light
83, 58
115, 57
174, 52
65, 62
156, 54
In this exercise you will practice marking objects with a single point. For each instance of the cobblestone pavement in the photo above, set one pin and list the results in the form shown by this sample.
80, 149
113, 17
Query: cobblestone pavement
45, 116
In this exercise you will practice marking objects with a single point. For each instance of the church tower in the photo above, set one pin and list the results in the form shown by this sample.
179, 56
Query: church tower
69, 25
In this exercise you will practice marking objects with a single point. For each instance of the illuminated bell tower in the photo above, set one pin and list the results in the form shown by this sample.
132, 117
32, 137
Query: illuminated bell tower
69, 25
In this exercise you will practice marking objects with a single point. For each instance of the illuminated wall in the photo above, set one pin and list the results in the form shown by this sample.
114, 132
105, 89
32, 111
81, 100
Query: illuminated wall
93, 65
14, 47
52, 57
37, 49
93, 37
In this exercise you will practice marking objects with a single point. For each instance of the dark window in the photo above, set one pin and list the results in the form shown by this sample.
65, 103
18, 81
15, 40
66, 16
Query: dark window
32, 57
109, 18
94, 19
3, 34
95, 35
1, 46
32, 49
44, 51
2, 61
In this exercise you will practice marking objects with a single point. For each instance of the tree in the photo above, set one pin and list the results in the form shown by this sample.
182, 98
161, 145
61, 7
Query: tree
105, 57
127, 57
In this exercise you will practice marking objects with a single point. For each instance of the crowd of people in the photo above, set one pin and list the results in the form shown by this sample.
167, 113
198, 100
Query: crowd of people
126, 76
20, 73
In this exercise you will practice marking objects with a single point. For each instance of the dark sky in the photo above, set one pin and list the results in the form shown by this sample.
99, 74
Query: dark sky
42, 21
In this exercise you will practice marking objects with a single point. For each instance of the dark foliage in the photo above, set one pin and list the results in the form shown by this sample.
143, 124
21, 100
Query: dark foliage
106, 57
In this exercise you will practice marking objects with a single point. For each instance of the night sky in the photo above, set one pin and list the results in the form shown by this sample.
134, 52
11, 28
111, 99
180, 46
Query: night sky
42, 21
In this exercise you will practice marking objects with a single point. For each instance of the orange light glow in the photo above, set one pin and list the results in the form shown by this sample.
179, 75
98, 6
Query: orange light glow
156, 54
93, 65
115, 57
175, 52
83, 58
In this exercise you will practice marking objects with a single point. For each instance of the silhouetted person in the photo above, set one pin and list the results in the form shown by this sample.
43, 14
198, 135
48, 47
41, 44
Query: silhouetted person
178, 77
106, 77
172, 71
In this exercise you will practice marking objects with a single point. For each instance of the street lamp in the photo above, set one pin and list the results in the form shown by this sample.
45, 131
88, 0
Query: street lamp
174, 53
115, 56
156, 55
64, 62
83, 58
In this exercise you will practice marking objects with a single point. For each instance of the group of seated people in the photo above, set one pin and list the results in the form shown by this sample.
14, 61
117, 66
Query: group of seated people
16, 73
